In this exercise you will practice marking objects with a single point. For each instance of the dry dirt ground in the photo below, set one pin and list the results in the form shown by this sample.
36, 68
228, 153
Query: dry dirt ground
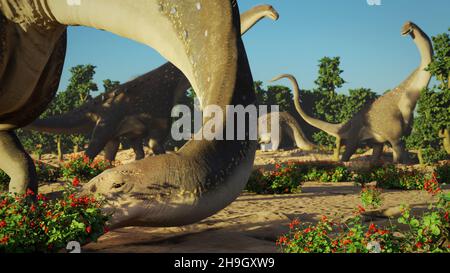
253, 222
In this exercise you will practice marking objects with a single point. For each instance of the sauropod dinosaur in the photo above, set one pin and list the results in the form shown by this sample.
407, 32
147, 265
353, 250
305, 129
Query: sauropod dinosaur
389, 117
204, 176
200, 37
139, 109
290, 127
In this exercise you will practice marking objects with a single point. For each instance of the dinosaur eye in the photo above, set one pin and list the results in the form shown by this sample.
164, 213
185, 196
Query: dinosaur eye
118, 185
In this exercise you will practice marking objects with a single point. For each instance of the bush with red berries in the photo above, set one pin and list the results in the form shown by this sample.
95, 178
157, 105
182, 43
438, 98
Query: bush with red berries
83, 168
429, 233
31, 223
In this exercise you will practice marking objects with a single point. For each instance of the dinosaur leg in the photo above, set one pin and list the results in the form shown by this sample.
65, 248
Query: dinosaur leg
337, 150
400, 153
156, 147
350, 149
377, 151
138, 148
102, 134
17, 164
111, 149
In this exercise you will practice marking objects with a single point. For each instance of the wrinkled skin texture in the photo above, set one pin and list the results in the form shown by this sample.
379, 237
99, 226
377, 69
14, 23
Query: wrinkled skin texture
387, 119
202, 39
288, 126
139, 110
204, 176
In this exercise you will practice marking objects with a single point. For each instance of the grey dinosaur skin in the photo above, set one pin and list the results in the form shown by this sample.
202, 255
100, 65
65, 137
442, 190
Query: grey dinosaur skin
387, 119
288, 126
204, 176
201, 38
140, 109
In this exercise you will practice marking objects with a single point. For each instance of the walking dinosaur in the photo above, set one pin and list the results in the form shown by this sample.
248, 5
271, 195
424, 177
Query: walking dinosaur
139, 109
387, 119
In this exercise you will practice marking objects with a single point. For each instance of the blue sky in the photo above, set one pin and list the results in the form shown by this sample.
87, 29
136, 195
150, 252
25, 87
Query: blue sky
367, 38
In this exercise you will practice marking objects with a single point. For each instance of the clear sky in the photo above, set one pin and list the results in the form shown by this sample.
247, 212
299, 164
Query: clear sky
367, 38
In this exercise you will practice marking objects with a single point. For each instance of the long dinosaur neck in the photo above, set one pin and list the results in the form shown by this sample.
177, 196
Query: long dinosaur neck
254, 15
329, 128
424, 46
297, 133
420, 78
204, 176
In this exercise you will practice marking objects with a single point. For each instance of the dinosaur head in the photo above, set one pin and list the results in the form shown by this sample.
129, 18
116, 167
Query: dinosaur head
271, 12
408, 28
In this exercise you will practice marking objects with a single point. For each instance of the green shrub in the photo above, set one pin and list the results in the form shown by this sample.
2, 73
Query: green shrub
258, 182
46, 173
286, 179
443, 173
371, 197
48, 226
432, 155
427, 234
83, 168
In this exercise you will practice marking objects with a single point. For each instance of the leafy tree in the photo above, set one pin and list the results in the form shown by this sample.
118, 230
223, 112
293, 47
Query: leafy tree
110, 85
329, 78
281, 96
329, 104
81, 83
440, 67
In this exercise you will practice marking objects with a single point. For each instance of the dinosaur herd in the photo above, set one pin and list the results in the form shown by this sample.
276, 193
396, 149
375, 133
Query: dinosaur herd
201, 39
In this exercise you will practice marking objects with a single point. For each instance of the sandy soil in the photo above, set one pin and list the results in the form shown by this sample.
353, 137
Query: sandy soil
253, 222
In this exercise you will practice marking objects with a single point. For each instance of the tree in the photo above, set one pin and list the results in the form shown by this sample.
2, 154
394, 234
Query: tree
78, 92
281, 96
330, 104
110, 85
440, 67
329, 78
81, 83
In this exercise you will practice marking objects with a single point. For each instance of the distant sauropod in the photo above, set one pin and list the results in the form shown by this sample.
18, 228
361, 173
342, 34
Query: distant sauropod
138, 110
387, 119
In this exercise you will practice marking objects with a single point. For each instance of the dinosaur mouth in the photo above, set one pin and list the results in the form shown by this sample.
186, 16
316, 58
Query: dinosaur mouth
407, 31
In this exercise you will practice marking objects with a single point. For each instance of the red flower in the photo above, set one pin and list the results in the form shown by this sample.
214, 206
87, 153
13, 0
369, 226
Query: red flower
446, 216
41, 197
324, 219
76, 182
294, 224
33, 208
282, 240
29, 192
308, 230
383, 232
419, 245
372, 228
361, 209
347, 242
2, 224
105, 230
4, 240
89, 229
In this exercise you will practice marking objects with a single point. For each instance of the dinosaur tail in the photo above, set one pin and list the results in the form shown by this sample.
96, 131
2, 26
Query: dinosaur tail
329, 128
64, 124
